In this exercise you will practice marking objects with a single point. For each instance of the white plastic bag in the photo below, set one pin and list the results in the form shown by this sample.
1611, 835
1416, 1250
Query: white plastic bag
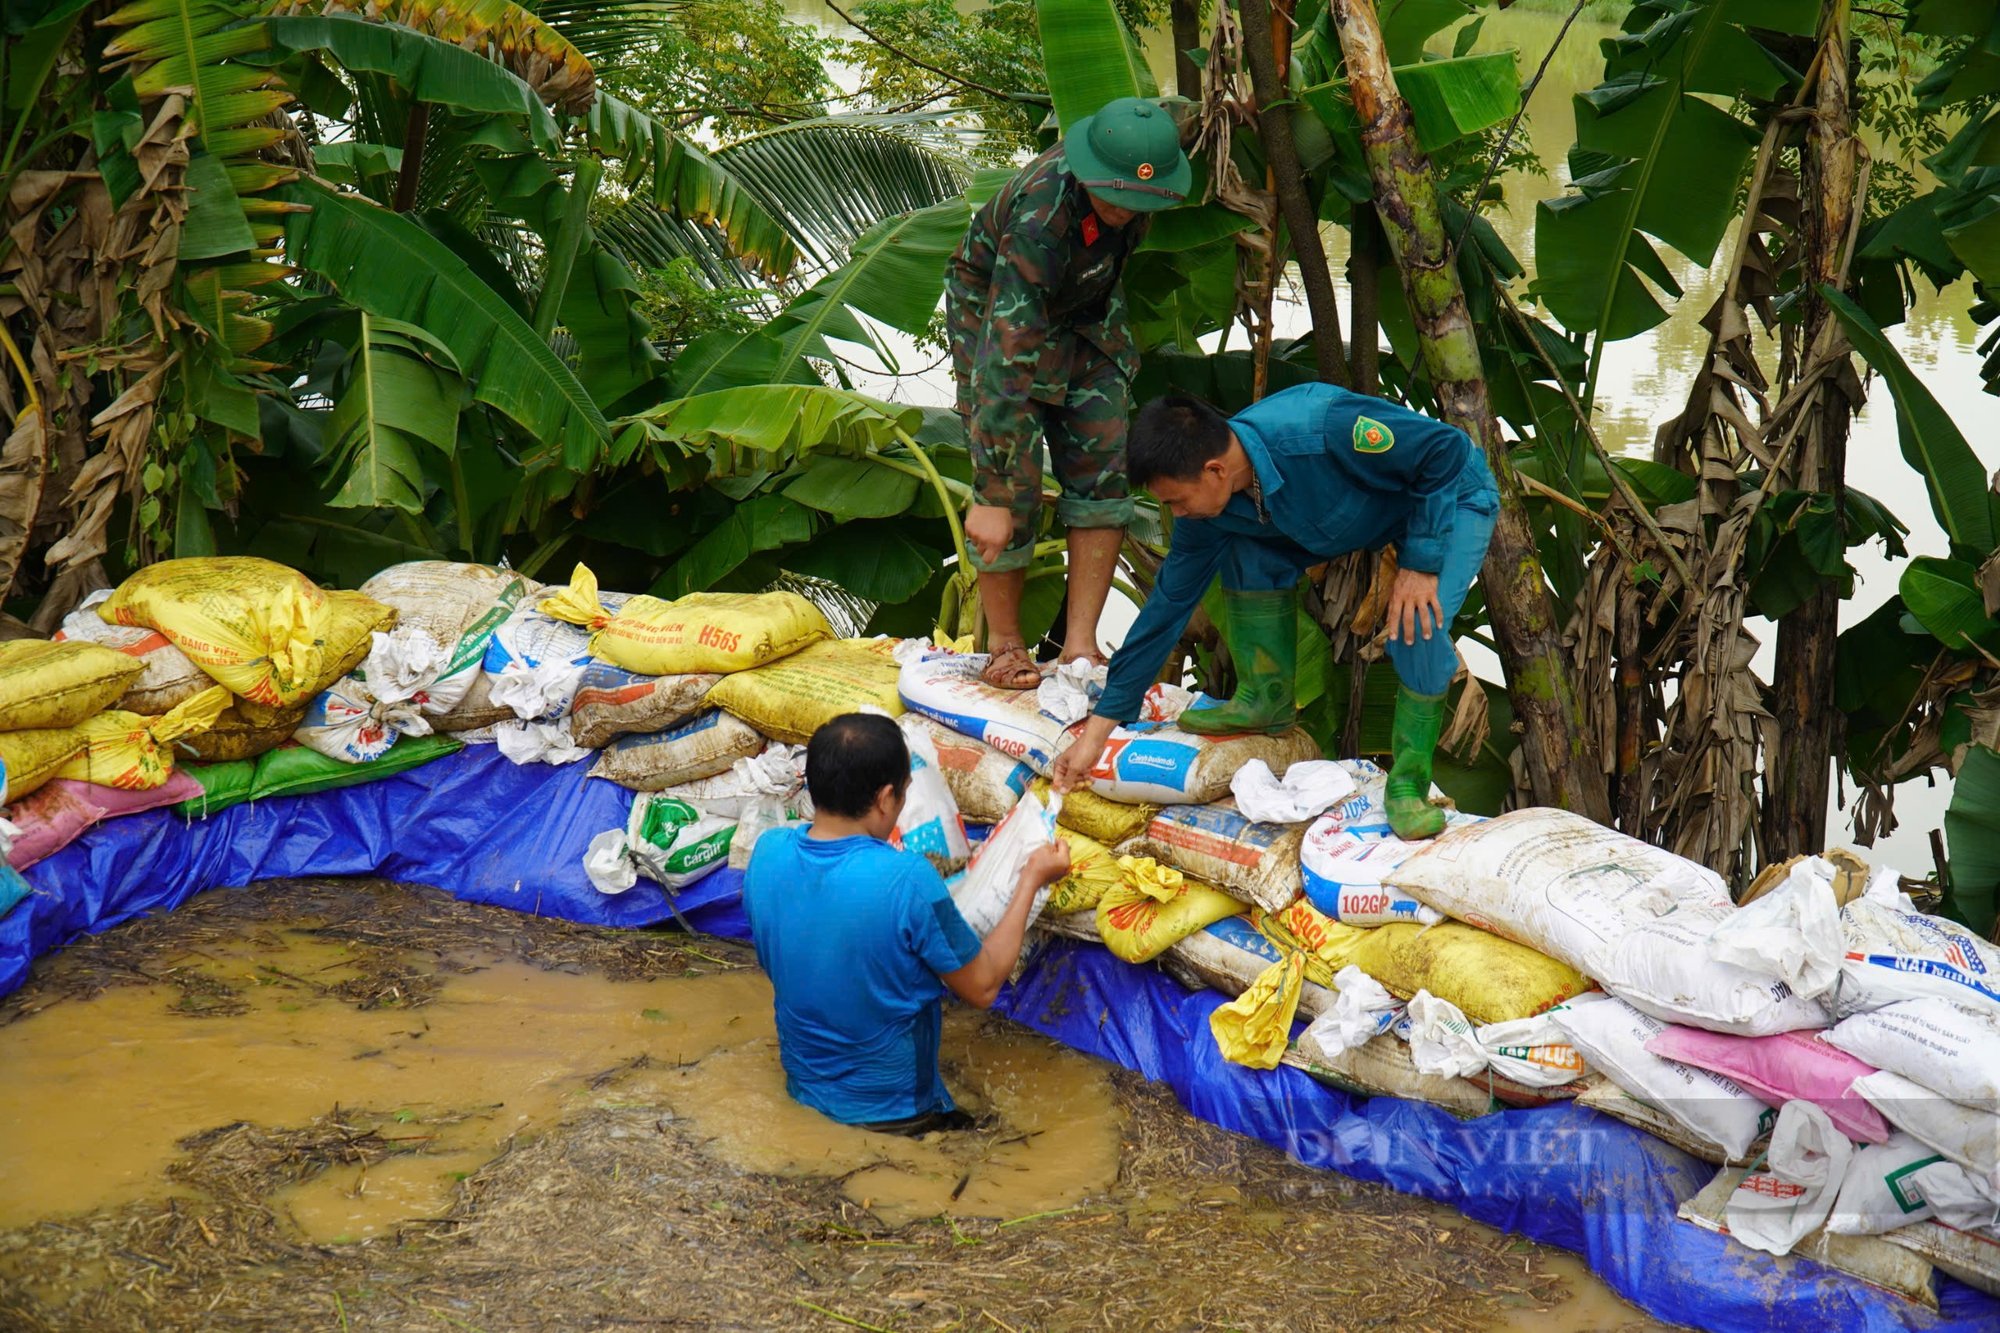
535, 662
779, 771
987, 888
1068, 692
359, 716
1306, 789
761, 814
1441, 1038
668, 841
1774, 1209
1343, 870
1952, 1050
1611, 1036
930, 823
1958, 1197
1362, 1010
538, 742
1791, 934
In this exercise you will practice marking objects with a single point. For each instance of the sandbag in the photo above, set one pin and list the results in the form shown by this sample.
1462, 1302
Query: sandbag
136, 753
929, 822
166, 676
1880, 1190
946, 687
704, 632
1093, 869
986, 890
1342, 876
455, 606
28, 759
48, 686
534, 663
698, 749
1952, 1050
775, 776
1153, 907
1230, 954
1612, 1037
985, 783
1967, 1135
1383, 1068
1108, 822
1897, 953
1258, 863
51, 819
1791, 1066
353, 622
761, 814
1774, 1209
794, 697
255, 626
611, 702
348, 722
1530, 1053
1158, 763
1490, 979
1633, 916
666, 840
293, 770
234, 737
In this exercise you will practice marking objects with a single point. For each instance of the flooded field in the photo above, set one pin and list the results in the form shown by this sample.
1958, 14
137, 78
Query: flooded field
338, 1105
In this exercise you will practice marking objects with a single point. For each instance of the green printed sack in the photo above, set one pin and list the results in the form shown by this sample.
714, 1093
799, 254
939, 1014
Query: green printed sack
666, 839
293, 770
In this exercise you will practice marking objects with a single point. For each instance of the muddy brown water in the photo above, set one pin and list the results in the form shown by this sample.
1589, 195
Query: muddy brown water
332, 1104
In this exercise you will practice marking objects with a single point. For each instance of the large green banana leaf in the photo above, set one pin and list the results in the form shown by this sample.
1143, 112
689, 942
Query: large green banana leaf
387, 265
1943, 596
402, 392
767, 426
1089, 57
1972, 835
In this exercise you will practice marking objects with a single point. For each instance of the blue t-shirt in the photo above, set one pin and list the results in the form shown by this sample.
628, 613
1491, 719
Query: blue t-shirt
854, 935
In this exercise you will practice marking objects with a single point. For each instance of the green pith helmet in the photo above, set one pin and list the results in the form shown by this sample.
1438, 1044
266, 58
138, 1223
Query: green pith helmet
1129, 153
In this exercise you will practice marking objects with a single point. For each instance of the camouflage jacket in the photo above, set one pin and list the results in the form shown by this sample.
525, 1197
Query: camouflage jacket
1034, 285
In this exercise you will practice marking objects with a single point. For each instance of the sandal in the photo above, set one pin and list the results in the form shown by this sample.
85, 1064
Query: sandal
1012, 668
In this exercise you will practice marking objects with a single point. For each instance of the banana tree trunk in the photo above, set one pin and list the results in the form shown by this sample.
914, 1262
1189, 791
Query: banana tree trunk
1261, 45
1563, 767
1797, 773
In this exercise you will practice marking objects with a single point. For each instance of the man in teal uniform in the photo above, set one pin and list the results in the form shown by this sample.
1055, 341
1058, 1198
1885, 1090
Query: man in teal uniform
1305, 475
1041, 349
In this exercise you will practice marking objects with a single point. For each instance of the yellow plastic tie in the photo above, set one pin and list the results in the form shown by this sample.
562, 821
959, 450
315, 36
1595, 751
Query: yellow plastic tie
1161, 883
191, 716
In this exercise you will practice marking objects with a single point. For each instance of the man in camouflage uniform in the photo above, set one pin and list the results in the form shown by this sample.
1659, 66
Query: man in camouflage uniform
1041, 349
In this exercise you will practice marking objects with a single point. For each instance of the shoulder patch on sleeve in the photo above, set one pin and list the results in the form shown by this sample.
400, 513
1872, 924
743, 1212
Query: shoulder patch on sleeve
1372, 437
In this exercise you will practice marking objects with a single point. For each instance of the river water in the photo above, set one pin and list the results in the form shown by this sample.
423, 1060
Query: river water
1645, 379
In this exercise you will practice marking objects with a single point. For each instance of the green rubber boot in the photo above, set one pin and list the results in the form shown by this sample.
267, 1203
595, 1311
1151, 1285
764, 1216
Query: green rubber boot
1413, 740
1264, 642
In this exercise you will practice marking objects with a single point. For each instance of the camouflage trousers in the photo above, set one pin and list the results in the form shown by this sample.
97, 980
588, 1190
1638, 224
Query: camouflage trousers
1084, 434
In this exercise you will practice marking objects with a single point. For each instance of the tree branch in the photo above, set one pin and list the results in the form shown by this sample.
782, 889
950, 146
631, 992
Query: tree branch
1030, 99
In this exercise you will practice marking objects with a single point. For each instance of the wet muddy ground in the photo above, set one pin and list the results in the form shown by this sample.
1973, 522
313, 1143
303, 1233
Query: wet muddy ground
337, 1104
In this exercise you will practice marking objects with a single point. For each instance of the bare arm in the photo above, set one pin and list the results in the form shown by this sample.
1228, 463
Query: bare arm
978, 982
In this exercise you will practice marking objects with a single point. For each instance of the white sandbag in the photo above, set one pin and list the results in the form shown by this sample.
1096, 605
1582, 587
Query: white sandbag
1364, 811
538, 742
1950, 1049
1611, 1036
1342, 875
1362, 1011
1304, 792
1959, 1198
1774, 1209
984, 782
534, 663
1441, 1038
1156, 763
1967, 1135
456, 608
1258, 863
1897, 953
778, 771
1880, 1190
708, 745
1533, 1052
359, 716
1632, 916
666, 840
930, 823
986, 891
947, 687
761, 814
1791, 934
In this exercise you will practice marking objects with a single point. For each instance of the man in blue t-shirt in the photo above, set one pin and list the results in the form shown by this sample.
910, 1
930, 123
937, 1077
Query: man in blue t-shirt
856, 936
1305, 475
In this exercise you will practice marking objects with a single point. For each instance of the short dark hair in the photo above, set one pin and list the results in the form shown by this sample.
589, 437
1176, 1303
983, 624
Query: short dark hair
1172, 437
851, 759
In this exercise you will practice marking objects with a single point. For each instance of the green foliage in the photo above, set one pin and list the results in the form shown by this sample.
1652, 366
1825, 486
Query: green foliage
728, 68
1972, 835
679, 306
995, 45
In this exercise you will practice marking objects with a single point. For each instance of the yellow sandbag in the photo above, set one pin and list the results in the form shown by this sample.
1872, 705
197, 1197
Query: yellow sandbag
791, 699
1108, 822
235, 736
1093, 869
352, 620
54, 685
136, 753
1491, 980
31, 758
252, 624
1153, 907
1255, 1027
702, 632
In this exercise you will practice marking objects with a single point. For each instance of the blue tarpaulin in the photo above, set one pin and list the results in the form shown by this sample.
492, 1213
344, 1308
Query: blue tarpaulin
487, 831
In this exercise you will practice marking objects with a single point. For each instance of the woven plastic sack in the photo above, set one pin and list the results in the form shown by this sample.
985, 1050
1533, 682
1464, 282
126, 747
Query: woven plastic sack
929, 823
985, 783
699, 749
135, 753
1258, 863
45, 686
455, 607
353, 623
666, 840
1108, 822
1157, 763
611, 702
1255, 1027
793, 698
1093, 870
1774, 1209
235, 737
535, 663
986, 890
1790, 1066
254, 625
702, 632
166, 676
54, 817
1153, 907
28, 759
1952, 1050
293, 770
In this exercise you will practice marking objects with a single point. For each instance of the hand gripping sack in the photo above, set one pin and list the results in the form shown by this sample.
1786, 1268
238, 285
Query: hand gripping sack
703, 632
47, 686
166, 676
255, 626
794, 697
1258, 863
136, 753
456, 608
698, 749
611, 702
1093, 869
986, 890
